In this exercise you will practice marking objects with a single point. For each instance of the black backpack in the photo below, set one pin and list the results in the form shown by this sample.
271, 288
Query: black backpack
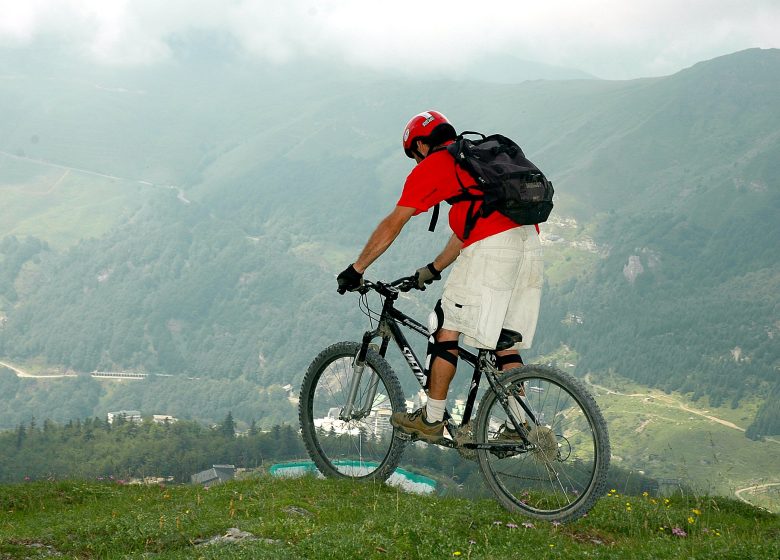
507, 181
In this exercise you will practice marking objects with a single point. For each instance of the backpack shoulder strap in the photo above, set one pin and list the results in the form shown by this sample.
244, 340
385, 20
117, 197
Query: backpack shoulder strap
465, 194
434, 217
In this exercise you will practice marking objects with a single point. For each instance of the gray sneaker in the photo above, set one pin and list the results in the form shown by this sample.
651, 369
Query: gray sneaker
416, 424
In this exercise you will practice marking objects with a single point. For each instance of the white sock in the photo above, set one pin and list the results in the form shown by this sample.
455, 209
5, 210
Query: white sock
434, 410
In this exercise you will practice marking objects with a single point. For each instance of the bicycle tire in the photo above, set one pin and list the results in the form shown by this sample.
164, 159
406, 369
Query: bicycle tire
564, 472
364, 449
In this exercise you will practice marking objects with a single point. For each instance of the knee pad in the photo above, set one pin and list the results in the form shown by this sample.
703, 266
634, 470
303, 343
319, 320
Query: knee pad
508, 359
438, 349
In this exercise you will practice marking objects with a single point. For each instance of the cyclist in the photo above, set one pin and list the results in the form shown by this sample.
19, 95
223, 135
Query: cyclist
494, 285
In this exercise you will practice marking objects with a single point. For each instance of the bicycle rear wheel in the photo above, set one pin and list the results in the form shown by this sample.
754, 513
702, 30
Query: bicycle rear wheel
362, 446
561, 474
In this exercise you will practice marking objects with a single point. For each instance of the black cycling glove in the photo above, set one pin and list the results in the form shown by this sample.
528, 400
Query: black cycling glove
426, 275
349, 280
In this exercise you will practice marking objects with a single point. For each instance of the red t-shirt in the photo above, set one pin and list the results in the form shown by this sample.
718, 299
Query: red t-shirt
433, 180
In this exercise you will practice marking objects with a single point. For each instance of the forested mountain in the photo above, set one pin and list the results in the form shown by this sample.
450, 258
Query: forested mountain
244, 189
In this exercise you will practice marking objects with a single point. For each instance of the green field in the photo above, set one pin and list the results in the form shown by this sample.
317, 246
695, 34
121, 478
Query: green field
311, 518
61, 205
667, 436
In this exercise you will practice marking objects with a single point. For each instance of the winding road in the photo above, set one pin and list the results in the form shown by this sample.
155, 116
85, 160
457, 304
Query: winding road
22, 373
752, 488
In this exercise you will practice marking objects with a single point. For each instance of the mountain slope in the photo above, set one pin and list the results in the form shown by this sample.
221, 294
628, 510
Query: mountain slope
284, 172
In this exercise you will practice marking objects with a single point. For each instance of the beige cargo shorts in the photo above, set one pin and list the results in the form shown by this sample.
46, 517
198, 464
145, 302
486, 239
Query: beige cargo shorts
495, 283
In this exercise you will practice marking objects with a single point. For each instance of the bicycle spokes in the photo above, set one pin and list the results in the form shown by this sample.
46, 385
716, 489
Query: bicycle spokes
555, 453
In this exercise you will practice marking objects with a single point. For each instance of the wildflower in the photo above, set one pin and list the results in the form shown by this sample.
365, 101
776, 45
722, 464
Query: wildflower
556, 523
498, 522
691, 520
457, 553
512, 526
696, 511
678, 532
528, 525
472, 541
645, 494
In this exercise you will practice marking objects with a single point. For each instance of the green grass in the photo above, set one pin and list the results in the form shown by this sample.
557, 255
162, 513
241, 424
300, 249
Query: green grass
350, 520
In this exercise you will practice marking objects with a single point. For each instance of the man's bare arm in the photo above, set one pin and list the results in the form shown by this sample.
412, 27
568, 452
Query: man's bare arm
383, 236
448, 254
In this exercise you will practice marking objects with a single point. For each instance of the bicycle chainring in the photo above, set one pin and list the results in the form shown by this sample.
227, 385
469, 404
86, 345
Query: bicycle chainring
465, 435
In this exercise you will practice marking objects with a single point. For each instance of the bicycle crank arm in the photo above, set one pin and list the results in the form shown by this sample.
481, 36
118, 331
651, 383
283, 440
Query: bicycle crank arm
444, 442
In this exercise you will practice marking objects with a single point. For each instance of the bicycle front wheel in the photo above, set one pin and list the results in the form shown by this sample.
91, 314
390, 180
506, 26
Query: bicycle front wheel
562, 471
362, 444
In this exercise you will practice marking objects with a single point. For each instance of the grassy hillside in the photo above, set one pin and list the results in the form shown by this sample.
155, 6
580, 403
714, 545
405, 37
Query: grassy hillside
62, 205
309, 518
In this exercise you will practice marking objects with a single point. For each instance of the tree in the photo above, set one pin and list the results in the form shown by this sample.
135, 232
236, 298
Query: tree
228, 427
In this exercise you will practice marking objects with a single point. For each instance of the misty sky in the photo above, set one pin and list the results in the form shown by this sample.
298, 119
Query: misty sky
616, 39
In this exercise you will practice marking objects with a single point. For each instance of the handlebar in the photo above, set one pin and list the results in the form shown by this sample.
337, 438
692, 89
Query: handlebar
390, 290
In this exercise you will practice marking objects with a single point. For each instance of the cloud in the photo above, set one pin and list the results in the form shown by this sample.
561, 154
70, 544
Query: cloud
609, 38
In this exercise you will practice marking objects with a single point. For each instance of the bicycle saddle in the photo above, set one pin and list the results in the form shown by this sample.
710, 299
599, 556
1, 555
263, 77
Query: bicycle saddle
507, 339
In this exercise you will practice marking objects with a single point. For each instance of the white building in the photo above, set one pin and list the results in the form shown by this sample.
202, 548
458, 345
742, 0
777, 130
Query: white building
129, 415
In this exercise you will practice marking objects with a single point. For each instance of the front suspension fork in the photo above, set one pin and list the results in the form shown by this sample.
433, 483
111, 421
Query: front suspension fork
353, 410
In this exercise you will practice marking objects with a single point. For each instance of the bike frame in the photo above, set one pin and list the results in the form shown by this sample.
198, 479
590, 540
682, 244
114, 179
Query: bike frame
389, 328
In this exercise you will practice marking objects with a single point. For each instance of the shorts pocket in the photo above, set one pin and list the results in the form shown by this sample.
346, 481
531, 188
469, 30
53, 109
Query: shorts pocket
461, 310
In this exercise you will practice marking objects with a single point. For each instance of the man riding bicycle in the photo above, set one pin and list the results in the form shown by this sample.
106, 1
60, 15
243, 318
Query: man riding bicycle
495, 284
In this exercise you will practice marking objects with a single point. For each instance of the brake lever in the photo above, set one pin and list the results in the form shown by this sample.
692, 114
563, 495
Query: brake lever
363, 289
406, 284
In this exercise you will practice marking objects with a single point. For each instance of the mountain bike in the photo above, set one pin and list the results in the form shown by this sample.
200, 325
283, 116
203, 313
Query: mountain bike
553, 468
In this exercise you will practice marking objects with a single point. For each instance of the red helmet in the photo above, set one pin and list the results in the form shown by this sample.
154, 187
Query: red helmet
423, 126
